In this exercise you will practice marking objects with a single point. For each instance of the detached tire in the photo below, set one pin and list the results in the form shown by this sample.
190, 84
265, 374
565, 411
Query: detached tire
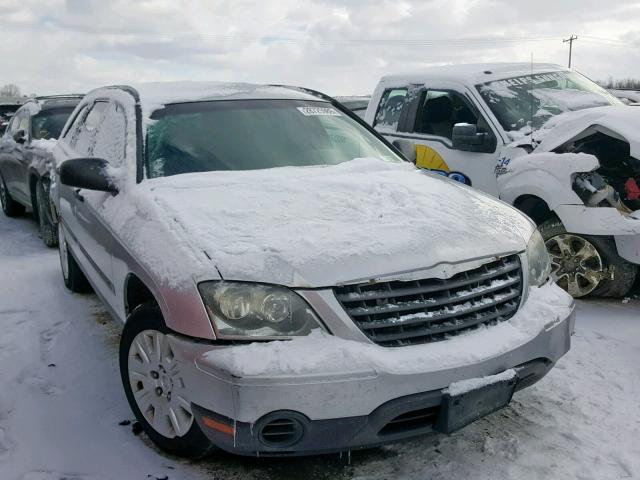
10, 207
154, 386
586, 264
48, 228
74, 278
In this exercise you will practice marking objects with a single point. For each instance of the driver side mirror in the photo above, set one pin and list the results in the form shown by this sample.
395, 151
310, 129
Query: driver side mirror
20, 136
465, 136
89, 173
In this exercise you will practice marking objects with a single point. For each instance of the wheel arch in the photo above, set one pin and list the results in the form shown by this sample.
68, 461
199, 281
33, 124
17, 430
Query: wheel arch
136, 293
534, 207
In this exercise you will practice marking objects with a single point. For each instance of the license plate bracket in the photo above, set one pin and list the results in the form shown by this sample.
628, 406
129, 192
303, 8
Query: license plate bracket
459, 410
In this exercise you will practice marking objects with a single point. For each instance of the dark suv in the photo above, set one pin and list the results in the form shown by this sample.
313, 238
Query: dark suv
25, 159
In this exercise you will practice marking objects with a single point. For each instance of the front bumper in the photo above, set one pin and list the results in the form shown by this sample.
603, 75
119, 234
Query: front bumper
625, 229
361, 404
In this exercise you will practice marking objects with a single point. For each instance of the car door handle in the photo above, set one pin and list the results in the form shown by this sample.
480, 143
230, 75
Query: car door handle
76, 193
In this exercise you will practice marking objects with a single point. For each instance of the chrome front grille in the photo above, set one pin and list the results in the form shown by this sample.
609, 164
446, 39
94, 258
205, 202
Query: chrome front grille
398, 313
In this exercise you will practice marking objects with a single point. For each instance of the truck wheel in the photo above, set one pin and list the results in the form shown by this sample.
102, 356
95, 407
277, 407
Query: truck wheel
586, 264
10, 207
73, 277
154, 385
48, 229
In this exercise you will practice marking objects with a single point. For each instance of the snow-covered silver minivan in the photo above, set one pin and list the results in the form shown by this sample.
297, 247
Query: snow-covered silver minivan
288, 284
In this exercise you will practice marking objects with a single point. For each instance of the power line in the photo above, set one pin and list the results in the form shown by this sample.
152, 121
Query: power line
289, 38
571, 39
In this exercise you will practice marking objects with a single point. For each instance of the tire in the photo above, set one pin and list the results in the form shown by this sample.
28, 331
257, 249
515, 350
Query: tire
155, 386
586, 264
10, 207
48, 228
74, 278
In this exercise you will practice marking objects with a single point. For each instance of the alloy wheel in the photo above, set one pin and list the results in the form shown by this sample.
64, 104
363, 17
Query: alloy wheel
576, 264
157, 384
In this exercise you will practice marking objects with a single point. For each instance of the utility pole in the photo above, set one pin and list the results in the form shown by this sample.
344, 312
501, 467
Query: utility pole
570, 40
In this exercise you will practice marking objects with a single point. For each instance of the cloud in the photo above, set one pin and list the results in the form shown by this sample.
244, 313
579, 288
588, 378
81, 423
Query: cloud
338, 46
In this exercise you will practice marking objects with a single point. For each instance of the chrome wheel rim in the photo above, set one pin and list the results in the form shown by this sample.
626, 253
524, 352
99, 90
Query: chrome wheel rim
64, 253
576, 265
157, 384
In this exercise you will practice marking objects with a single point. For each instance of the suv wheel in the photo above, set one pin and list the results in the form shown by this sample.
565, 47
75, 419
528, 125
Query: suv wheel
10, 207
73, 277
586, 264
48, 228
154, 385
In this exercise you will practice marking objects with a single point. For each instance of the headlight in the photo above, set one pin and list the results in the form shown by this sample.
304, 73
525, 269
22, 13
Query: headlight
538, 259
240, 310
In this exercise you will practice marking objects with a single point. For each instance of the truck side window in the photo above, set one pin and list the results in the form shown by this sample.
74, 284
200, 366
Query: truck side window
390, 108
439, 111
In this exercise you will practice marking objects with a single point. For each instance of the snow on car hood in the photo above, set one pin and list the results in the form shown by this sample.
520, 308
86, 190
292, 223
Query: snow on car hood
327, 225
620, 121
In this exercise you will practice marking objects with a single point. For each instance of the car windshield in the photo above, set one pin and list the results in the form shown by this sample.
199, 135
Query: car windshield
255, 134
48, 124
517, 102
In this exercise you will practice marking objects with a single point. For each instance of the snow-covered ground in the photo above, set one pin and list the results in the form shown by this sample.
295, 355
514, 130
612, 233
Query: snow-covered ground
61, 401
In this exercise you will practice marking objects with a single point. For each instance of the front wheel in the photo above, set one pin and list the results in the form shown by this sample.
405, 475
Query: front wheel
586, 264
155, 387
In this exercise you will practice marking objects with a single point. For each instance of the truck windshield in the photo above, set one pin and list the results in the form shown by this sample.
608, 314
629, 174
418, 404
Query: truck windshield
517, 101
255, 134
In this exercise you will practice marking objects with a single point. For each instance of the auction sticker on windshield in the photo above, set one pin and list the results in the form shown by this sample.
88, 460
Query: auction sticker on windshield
319, 111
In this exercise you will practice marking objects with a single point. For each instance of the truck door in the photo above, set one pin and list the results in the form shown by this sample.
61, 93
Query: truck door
430, 121
423, 129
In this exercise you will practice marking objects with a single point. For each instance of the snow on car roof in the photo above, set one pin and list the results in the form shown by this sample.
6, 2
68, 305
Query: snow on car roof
155, 95
473, 73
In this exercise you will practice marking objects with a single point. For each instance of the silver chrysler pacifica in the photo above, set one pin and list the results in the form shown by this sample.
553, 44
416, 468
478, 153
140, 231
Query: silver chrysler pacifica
287, 282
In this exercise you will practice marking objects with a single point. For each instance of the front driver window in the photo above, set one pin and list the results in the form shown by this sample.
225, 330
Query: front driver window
439, 111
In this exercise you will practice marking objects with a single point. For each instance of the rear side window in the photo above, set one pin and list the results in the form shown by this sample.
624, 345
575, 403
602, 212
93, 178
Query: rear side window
391, 104
15, 124
111, 136
84, 138
23, 123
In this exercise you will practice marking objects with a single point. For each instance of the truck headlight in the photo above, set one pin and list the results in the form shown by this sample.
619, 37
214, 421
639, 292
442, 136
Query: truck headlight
538, 259
248, 310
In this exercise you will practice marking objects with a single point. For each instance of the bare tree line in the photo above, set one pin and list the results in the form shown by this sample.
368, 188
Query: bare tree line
622, 84
9, 90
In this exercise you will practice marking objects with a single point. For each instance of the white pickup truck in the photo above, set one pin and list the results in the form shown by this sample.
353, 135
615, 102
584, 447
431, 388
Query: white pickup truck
542, 138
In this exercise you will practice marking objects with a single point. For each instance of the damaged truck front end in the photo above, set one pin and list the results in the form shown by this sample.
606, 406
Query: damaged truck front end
588, 178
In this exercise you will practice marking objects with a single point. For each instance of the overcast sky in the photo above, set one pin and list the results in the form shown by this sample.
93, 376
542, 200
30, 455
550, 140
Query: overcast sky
338, 46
